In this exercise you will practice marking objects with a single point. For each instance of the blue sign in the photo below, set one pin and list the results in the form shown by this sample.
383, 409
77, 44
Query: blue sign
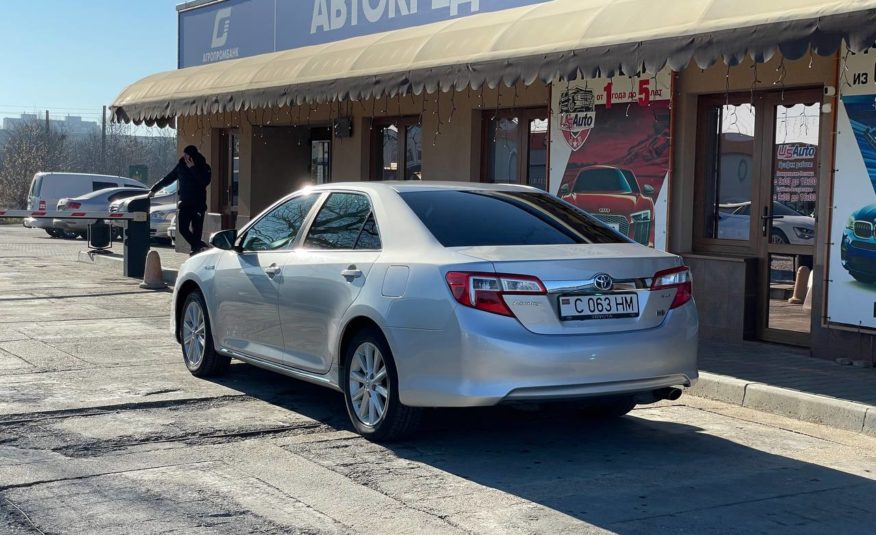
240, 28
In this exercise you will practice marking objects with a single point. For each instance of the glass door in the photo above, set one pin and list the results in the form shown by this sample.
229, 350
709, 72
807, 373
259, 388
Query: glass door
787, 217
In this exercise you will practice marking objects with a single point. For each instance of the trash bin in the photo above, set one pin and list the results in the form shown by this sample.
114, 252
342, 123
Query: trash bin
98, 235
136, 243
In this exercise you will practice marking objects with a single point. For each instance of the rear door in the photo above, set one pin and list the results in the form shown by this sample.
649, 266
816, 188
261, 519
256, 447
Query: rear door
324, 276
247, 284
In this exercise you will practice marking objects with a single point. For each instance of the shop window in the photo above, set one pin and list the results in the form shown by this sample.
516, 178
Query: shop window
515, 147
320, 155
729, 166
397, 149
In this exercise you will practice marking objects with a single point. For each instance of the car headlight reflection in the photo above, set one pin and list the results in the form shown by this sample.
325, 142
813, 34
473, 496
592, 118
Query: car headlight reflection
804, 233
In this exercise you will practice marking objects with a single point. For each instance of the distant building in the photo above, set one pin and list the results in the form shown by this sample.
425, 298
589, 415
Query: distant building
72, 125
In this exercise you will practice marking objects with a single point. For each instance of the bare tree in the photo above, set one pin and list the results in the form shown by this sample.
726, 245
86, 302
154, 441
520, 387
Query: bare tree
30, 148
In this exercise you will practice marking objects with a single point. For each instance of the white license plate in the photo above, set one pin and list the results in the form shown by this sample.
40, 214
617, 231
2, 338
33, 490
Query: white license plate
598, 307
615, 226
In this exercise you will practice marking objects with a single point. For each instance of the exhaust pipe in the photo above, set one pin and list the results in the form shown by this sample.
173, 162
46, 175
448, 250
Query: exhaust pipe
654, 396
672, 394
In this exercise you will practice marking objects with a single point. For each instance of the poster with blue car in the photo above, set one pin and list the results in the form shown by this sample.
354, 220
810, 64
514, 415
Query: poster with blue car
852, 273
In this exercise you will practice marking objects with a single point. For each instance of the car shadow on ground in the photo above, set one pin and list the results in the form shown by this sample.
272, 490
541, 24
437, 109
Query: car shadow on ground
633, 474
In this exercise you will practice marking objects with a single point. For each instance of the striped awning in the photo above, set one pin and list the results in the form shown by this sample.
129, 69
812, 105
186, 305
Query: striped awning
558, 39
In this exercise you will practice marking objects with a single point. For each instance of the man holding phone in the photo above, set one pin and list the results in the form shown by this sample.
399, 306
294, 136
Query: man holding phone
193, 176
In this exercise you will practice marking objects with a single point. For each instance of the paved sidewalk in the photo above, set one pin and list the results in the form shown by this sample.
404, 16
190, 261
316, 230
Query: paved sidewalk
787, 381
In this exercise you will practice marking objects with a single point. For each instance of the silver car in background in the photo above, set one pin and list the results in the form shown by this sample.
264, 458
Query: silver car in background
411, 295
95, 201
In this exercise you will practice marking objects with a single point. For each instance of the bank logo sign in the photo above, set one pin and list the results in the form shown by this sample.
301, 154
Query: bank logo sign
577, 115
239, 28
221, 25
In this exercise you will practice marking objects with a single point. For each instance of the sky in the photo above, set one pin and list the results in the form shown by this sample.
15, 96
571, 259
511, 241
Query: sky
73, 56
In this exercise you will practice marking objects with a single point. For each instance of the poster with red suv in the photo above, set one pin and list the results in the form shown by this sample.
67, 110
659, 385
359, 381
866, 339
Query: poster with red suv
610, 151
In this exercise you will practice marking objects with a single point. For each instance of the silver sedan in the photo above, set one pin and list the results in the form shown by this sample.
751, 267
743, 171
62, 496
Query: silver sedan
412, 295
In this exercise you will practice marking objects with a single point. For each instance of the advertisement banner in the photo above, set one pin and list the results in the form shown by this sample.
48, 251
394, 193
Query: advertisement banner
233, 29
851, 297
610, 141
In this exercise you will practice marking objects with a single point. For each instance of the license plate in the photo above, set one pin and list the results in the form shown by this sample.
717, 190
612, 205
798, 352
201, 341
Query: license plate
599, 307
615, 226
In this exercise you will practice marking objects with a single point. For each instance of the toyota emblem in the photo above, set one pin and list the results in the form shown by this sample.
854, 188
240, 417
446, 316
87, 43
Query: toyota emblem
603, 282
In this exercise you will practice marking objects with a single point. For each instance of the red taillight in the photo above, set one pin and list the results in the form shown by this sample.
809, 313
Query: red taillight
484, 291
71, 205
42, 205
678, 278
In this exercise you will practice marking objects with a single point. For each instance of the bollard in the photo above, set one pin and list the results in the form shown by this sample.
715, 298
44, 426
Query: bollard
800, 286
136, 238
153, 279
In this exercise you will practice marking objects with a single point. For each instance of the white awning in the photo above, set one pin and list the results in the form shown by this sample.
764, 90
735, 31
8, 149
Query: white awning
558, 39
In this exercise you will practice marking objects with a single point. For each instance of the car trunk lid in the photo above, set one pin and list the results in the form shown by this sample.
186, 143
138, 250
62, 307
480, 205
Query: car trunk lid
569, 274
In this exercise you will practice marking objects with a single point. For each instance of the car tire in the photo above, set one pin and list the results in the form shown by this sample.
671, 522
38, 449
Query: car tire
196, 339
609, 407
51, 232
860, 277
369, 376
778, 237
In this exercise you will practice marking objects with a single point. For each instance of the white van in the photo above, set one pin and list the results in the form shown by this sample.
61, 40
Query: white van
46, 189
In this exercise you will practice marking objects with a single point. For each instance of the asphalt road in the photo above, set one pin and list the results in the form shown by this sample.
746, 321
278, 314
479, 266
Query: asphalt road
102, 430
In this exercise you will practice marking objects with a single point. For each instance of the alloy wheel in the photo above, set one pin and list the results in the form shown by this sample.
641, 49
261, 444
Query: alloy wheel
369, 384
194, 333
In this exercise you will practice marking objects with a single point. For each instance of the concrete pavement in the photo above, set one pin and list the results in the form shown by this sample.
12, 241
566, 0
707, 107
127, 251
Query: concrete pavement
103, 430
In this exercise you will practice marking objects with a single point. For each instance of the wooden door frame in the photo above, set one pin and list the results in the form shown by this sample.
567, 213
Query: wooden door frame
764, 248
525, 116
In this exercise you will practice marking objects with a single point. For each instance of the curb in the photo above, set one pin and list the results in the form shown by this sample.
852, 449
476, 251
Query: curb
813, 408
113, 261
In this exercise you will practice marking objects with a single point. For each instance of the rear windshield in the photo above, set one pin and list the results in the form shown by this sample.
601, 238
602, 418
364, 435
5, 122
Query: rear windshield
36, 186
479, 218
602, 179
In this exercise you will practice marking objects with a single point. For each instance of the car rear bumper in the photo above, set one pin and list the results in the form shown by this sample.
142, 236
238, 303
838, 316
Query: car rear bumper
485, 359
31, 222
72, 225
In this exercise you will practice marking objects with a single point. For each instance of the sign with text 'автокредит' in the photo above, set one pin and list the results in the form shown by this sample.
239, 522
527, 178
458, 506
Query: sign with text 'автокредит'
240, 28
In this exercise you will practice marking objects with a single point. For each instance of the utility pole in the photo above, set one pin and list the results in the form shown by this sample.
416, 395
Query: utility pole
103, 141
47, 122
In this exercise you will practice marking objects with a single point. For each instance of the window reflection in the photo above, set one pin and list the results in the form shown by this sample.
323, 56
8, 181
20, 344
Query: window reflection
279, 227
339, 222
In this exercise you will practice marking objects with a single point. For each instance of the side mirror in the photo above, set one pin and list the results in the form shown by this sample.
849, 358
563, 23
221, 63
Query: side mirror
648, 190
564, 190
224, 239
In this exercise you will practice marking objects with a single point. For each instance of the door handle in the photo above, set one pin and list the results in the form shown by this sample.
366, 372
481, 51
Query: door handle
351, 273
272, 271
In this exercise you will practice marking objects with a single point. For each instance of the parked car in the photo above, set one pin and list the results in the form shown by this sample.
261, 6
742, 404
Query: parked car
160, 218
46, 189
96, 201
789, 225
858, 246
409, 294
164, 198
612, 195
171, 230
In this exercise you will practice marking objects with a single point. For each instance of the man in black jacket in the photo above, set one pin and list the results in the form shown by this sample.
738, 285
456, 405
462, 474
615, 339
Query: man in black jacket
193, 176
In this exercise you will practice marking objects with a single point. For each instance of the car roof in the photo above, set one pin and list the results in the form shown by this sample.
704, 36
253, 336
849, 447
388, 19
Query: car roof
404, 186
109, 191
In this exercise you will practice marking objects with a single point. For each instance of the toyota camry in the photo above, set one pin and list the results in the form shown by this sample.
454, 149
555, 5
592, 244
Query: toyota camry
411, 295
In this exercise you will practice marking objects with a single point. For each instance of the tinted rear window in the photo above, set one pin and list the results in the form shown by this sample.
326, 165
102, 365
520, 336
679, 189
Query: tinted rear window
478, 218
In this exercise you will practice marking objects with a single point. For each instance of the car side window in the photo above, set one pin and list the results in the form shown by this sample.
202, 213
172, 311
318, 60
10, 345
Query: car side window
341, 223
369, 238
102, 185
279, 227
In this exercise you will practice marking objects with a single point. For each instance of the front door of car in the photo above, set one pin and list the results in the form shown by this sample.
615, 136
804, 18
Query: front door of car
323, 278
247, 283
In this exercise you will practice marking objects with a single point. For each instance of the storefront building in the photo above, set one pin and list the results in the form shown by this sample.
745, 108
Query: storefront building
738, 134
